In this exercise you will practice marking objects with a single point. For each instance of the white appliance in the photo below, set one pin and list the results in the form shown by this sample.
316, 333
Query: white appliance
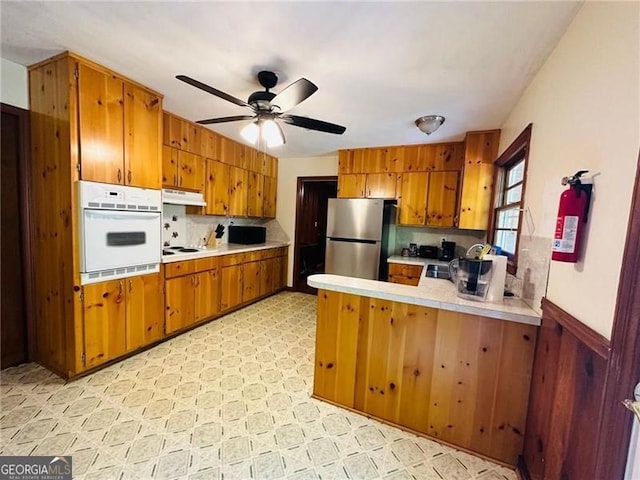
182, 197
360, 237
120, 231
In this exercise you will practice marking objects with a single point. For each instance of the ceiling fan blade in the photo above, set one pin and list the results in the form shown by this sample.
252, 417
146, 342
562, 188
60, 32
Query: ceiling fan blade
313, 124
213, 91
225, 119
294, 94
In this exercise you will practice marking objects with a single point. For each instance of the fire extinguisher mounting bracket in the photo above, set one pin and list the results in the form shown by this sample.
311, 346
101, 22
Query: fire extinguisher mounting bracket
576, 184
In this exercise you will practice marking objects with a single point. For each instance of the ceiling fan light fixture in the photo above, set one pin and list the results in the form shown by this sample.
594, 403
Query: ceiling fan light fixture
429, 123
251, 133
271, 133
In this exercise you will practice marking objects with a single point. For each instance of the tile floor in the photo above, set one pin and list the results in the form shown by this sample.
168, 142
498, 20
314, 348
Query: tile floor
227, 400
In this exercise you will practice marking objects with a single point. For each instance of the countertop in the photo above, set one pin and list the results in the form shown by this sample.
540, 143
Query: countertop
224, 249
430, 292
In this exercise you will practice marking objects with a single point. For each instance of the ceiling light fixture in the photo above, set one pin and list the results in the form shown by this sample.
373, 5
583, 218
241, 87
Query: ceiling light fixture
429, 123
265, 130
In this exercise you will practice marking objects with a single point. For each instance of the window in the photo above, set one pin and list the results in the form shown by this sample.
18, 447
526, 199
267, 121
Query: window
509, 196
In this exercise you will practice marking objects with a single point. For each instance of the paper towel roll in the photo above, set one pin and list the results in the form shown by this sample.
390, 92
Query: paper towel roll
498, 277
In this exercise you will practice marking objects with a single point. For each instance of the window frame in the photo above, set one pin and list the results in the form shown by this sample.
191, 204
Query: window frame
514, 153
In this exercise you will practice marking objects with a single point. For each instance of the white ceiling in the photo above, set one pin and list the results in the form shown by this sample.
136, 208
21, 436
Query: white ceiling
378, 65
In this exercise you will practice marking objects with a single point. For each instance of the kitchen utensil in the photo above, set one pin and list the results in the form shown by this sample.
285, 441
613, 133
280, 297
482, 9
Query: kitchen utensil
219, 230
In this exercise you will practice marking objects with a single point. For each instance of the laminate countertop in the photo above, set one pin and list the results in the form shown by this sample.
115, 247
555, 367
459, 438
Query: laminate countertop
224, 249
430, 292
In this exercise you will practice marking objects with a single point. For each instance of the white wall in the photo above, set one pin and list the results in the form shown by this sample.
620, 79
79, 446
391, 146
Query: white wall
289, 169
13, 84
584, 106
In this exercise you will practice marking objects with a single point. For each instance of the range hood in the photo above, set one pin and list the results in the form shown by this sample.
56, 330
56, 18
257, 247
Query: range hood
180, 197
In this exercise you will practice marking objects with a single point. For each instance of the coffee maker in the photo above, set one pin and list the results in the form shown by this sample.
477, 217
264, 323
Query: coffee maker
448, 251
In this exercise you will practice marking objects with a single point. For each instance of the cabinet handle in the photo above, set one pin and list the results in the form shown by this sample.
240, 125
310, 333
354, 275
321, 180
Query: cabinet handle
120, 287
119, 175
129, 176
180, 180
130, 286
175, 180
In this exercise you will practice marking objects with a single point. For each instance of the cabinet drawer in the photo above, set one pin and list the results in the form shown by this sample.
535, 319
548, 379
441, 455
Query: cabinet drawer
270, 253
176, 269
405, 270
209, 263
404, 280
234, 259
253, 256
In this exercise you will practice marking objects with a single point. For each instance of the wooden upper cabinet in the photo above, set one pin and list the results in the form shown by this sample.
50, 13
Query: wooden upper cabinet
269, 197
190, 171
352, 186
142, 126
413, 201
169, 166
172, 131
345, 162
381, 185
238, 179
441, 199
144, 310
255, 194
209, 144
101, 125
226, 151
216, 189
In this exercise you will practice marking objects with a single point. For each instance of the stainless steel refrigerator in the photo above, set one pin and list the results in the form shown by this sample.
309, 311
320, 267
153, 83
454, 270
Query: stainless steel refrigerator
360, 237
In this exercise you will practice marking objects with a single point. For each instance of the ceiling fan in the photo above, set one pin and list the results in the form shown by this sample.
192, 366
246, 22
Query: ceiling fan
268, 107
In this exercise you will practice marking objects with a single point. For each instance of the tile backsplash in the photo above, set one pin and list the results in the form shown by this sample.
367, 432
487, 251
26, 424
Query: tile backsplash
433, 236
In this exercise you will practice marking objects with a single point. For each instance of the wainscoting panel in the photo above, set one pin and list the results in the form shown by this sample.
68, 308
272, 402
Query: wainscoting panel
566, 398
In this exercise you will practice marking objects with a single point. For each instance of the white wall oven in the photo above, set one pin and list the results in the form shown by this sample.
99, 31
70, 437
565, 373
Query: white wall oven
120, 231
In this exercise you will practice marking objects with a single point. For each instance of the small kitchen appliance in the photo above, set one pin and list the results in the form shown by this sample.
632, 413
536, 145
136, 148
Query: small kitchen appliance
428, 251
472, 277
448, 251
247, 234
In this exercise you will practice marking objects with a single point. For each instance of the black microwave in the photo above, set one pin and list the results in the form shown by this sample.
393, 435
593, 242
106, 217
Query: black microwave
247, 234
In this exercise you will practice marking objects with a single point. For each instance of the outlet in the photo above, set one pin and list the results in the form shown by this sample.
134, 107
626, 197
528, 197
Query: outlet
443, 239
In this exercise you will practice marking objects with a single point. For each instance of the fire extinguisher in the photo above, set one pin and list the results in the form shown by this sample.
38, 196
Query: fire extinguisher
572, 215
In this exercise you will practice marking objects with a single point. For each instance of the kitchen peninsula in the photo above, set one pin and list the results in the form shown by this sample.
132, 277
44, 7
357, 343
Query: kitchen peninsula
424, 359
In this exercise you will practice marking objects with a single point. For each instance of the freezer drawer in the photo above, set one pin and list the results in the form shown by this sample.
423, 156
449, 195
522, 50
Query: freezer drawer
353, 259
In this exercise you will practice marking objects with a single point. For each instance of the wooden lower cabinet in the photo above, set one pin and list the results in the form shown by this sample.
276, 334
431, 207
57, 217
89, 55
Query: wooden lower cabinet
207, 294
230, 287
250, 281
180, 303
460, 378
405, 274
121, 316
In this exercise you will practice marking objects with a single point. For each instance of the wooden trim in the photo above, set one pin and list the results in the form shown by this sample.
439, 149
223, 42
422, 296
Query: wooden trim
521, 469
623, 369
25, 220
299, 213
590, 338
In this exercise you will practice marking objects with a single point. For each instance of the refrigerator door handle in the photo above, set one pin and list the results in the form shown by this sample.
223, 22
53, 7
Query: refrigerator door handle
351, 240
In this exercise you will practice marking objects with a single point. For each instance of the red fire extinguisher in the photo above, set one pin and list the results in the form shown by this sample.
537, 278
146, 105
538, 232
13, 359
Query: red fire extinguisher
572, 215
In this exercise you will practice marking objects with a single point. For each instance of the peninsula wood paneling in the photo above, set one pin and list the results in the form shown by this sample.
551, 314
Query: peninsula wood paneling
463, 379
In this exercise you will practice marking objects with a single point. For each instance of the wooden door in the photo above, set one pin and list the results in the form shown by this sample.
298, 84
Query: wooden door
352, 185
255, 194
269, 196
142, 126
207, 294
172, 131
269, 275
216, 188
441, 199
381, 185
144, 312
475, 201
230, 287
413, 203
169, 166
238, 179
179, 303
101, 126
251, 281
190, 171
104, 321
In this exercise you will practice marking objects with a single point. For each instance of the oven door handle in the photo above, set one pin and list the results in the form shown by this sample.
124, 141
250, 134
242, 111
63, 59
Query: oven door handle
118, 215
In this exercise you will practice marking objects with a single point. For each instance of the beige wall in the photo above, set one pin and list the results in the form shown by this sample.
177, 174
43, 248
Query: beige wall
13, 84
289, 169
584, 106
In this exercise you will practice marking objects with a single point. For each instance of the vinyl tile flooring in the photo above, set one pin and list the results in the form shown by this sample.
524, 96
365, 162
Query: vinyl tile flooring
228, 400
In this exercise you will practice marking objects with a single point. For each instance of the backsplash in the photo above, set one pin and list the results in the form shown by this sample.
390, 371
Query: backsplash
180, 228
433, 236
530, 282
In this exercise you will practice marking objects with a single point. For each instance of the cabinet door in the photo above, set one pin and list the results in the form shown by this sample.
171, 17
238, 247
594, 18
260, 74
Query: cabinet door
216, 188
413, 203
100, 122
269, 275
251, 281
179, 303
381, 185
475, 201
169, 166
104, 322
172, 131
207, 294
190, 171
441, 199
254, 194
142, 117
238, 191
145, 302
352, 186
230, 287
269, 195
